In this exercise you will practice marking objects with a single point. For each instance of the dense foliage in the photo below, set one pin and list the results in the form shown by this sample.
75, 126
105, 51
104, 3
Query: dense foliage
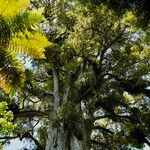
92, 88
18, 34
139, 7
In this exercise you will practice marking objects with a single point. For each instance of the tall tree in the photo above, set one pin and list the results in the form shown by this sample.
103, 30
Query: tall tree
91, 91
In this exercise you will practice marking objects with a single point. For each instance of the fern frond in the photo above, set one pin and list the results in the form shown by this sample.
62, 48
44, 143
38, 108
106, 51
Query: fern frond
29, 43
18, 35
4, 33
11, 71
24, 20
20, 21
10, 8
3, 84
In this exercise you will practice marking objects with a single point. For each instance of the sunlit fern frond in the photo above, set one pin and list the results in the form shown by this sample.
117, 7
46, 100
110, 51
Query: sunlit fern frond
11, 71
29, 43
10, 8
5, 33
22, 21
18, 34
3, 83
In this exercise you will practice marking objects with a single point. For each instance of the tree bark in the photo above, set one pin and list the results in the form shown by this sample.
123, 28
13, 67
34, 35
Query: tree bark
57, 139
60, 138
52, 140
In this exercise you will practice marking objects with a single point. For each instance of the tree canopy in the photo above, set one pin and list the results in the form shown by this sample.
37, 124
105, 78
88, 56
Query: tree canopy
139, 7
90, 90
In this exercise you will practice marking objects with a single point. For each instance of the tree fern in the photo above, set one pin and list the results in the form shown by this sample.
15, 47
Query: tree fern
22, 21
18, 34
11, 71
11, 8
29, 43
4, 33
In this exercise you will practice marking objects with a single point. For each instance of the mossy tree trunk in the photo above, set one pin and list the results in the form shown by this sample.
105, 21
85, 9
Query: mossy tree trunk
64, 135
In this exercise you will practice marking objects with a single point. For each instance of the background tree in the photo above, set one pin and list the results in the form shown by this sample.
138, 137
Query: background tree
91, 91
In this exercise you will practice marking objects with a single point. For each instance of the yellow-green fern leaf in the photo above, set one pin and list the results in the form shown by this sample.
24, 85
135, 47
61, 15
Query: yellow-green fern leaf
11, 71
31, 44
10, 8
5, 33
22, 21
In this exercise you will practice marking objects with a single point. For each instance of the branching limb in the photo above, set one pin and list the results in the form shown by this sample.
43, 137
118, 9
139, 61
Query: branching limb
103, 129
25, 135
32, 113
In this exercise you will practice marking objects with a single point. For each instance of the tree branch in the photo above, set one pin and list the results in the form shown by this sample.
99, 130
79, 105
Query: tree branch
25, 135
103, 129
130, 118
104, 145
132, 86
39, 146
32, 113
65, 94
56, 89
97, 69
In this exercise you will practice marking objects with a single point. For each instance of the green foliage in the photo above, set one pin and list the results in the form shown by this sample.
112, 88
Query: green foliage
5, 119
11, 7
102, 64
68, 112
42, 135
101, 56
23, 21
19, 34
11, 70
140, 8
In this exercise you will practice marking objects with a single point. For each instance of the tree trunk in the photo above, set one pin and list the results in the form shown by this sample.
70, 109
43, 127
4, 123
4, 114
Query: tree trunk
55, 140
58, 137
60, 141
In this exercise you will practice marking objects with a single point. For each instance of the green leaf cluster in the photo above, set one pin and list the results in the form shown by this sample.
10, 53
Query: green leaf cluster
5, 119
